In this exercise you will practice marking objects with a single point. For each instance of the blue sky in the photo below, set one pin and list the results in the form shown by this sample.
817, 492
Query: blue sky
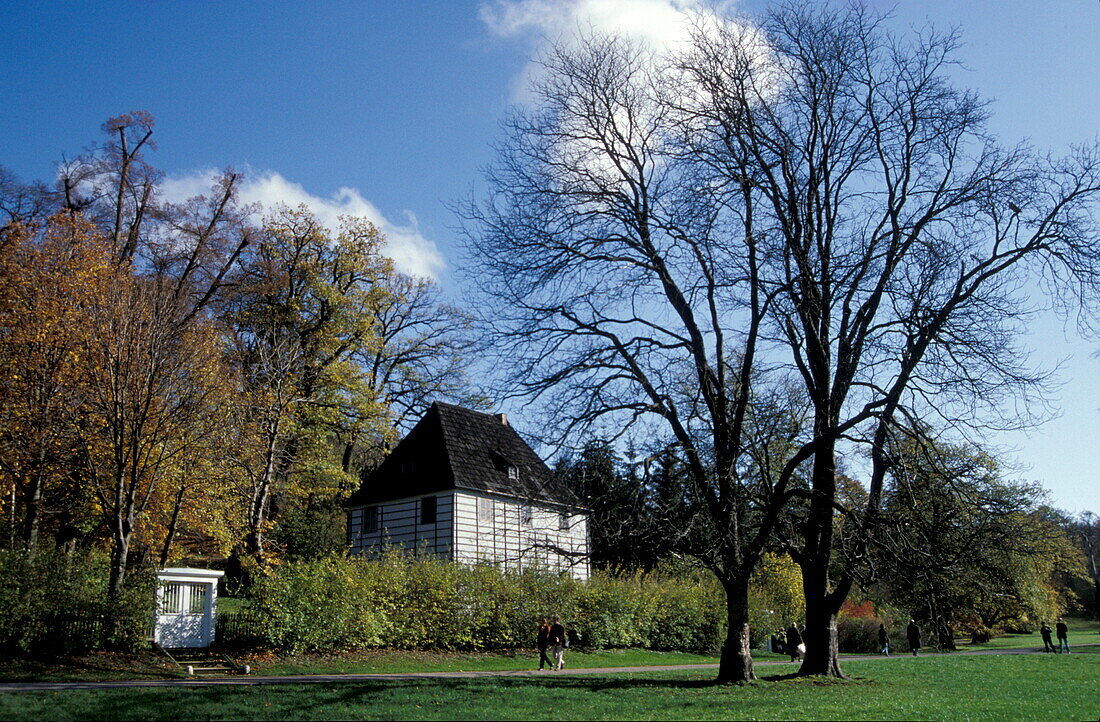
390, 108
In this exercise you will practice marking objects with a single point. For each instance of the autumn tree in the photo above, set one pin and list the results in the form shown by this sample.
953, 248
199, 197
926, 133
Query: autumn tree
1085, 529
171, 263
303, 309
961, 545
51, 279
153, 395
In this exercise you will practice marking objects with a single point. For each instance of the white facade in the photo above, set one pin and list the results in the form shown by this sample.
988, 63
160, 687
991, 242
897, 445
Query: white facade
187, 601
476, 527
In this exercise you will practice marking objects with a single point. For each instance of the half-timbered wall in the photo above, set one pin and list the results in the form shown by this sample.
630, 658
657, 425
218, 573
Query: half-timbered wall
519, 535
473, 528
400, 523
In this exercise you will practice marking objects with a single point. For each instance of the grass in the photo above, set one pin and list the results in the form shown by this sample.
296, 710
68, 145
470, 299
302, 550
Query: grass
394, 661
955, 687
146, 665
1081, 631
91, 667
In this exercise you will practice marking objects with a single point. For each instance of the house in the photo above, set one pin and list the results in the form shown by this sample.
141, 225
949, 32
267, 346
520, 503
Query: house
464, 486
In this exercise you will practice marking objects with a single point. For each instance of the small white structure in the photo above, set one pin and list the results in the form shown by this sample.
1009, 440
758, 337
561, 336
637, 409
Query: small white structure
186, 603
464, 486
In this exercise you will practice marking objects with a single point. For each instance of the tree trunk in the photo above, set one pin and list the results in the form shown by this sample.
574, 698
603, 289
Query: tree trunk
736, 663
822, 604
820, 636
173, 523
33, 501
120, 555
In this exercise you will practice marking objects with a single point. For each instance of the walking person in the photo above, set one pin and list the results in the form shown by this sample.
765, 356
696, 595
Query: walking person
912, 634
1048, 643
884, 639
557, 640
794, 641
542, 641
1063, 636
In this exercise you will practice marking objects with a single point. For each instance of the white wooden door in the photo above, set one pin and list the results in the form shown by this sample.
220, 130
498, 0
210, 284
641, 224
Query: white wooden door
183, 617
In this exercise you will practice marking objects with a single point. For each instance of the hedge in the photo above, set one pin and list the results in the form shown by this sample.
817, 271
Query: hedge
422, 603
56, 602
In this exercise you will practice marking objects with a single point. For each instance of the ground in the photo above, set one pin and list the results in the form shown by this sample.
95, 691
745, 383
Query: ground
1008, 687
950, 686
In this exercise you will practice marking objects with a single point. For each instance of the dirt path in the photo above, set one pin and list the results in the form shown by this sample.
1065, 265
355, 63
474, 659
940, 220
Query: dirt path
252, 680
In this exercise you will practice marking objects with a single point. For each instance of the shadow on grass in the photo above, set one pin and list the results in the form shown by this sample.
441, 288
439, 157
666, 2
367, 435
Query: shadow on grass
89, 667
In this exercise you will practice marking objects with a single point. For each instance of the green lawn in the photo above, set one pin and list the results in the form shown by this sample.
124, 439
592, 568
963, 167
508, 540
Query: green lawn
1081, 631
945, 687
395, 661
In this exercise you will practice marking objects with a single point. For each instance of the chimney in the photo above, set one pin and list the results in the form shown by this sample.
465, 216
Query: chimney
503, 418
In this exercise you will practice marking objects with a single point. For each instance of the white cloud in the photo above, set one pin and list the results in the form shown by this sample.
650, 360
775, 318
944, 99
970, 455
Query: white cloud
411, 252
662, 26
657, 22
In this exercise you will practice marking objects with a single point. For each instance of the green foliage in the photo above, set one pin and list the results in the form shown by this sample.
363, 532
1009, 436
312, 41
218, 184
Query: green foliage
310, 531
322, 604
859, 635
55, 602
415, 602
775, 597
964, 548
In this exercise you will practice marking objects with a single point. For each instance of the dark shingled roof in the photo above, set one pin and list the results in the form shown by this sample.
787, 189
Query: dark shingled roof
457, 448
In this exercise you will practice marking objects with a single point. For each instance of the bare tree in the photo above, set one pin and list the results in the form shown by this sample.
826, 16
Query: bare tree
899, 237
806, 197
422, 350
625, 291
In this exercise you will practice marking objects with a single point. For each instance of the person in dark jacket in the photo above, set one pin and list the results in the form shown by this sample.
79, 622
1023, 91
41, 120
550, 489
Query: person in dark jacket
557, 643
542, 641
1063, 636
912, 634
794, 638
884, 639
1048, 643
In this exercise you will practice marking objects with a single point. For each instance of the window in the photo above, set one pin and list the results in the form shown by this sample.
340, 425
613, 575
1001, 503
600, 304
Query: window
427, 510
563, 521
182, 598
170, 601
513, 472
526, 515
408, 467
371, 519
485, 510
196, 603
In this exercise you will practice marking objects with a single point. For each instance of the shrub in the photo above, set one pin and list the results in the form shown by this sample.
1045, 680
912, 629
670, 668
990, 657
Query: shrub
405, 601
318, 605
859, 635
57, 602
